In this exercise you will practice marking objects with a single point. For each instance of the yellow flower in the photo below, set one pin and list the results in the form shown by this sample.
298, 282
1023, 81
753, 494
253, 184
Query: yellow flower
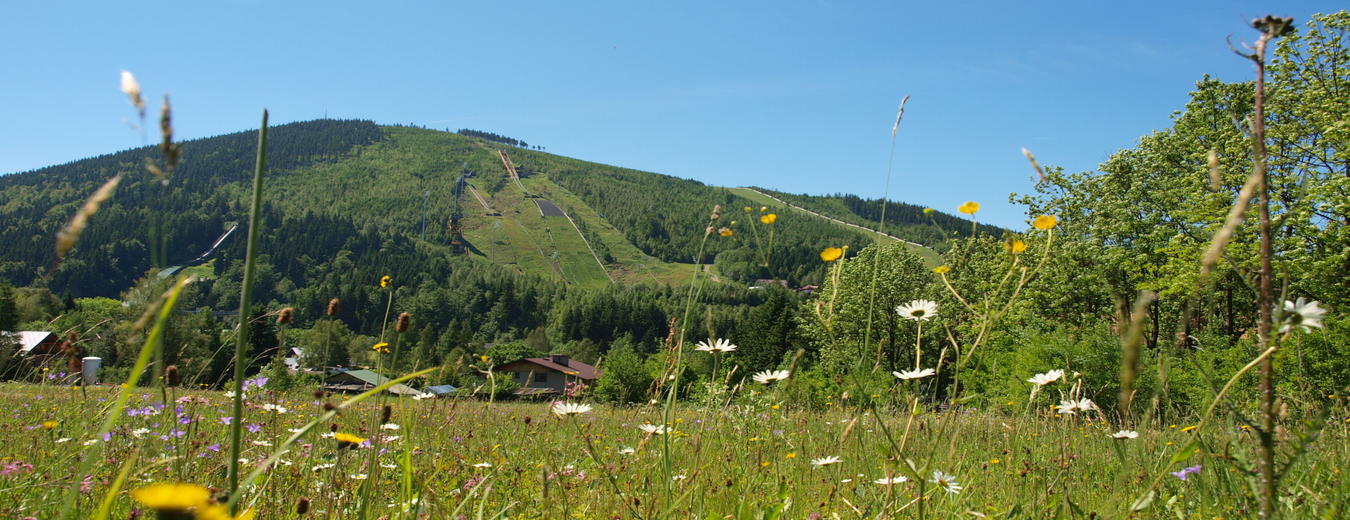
747, 209
172, 498
762, 209
47, 425
725, 231
484, 358
1044, 222
790, 455
1188, 428
969, 208
381, 347
928, 211
768, 218
1016, 246
942, 269
385, 281
347, 440
831, 254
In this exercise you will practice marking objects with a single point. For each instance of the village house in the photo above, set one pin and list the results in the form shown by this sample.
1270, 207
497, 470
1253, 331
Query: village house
549, 375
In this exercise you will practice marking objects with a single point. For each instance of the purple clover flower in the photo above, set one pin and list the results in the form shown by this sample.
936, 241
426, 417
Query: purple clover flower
1186, 472
255, 382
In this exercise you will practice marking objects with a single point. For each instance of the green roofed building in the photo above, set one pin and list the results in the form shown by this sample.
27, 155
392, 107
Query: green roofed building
361, 381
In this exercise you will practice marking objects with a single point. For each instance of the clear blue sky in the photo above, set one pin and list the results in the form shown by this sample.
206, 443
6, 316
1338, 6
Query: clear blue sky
796, 96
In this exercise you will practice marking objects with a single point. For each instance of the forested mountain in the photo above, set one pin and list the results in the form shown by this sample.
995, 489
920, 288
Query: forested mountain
353, 188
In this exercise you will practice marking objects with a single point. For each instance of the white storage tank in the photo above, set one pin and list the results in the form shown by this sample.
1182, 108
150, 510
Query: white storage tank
89, 370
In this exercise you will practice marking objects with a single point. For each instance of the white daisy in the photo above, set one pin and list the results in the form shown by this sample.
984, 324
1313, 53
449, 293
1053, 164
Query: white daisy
139, 432
274, 408
561, 409
769, 376
946, 482
1302, 313
627, 451
720, 345
825, 461
389, 426
890, 481
914, 374
917, 310
1125, 434
1046, 378
483, 465
653, 429
322, 467
424, 395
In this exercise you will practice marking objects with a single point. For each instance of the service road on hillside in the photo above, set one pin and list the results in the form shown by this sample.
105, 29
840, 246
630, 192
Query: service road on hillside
548, 209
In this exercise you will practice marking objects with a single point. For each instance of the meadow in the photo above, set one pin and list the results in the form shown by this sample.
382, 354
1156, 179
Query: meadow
759, 458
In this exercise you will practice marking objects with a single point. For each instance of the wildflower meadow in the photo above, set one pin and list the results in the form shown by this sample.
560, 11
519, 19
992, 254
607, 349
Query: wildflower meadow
1055, 370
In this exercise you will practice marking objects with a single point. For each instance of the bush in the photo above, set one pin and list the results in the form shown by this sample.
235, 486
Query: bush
624, 377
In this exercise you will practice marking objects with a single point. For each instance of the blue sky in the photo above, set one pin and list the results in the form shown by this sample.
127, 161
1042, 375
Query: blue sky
795, 96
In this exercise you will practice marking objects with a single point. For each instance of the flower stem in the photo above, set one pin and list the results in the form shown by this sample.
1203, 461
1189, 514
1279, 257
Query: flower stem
245, 301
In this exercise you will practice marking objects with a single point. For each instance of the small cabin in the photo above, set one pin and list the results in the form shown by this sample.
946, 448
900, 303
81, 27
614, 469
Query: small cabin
548, 375
35, 342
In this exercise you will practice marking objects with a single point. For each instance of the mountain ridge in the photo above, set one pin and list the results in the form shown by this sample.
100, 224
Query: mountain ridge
628, 226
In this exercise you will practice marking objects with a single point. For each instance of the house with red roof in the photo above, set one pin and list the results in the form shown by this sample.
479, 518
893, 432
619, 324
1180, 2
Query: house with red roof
548, 375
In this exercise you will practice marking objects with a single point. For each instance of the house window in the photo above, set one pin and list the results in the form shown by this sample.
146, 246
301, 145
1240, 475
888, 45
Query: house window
541, 377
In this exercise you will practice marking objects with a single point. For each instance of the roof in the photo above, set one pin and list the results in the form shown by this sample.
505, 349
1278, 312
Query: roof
441, 389
30, 339
572, 368
344, 380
